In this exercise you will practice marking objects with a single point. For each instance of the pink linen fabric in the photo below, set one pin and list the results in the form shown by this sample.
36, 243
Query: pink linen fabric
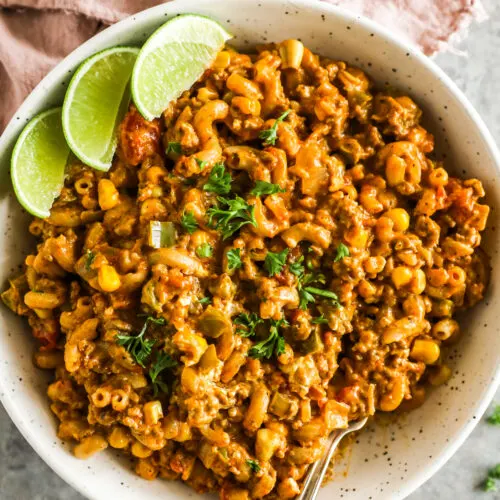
36, 34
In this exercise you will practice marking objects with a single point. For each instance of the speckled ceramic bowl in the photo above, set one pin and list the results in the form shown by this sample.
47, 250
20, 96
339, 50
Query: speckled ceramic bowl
389, 461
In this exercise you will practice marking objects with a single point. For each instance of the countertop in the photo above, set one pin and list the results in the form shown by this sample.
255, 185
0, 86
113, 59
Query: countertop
24, 476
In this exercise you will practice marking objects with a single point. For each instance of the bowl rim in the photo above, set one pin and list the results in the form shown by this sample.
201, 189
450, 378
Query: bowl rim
13, 129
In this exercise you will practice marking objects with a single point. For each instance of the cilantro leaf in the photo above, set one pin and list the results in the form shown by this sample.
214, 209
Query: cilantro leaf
275, 343
174, 147
201, 163
89, 259
342, 251
494, 418
253, 464
234, 259
271, 134
205, 301
219, 181
248, 323
275, 262
162, 362
263, 187
297, 267
188, 222
234, 214
489, 483
204, 251
320, 320
139, 347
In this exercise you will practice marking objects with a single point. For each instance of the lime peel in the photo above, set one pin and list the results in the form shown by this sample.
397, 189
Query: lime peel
96, 102
38, 163
173, 59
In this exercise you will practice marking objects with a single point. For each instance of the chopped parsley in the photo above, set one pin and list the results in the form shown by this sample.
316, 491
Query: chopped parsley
234, 259
201, 163
162, 362
494, 418
188, 222
263, 187
247, 324
204, 251
89, 259
271, 134
253, 465
174, 147
275, 262
139, 347
342, 251
274, 344
205, 301
308, 293
231, 215
219, 181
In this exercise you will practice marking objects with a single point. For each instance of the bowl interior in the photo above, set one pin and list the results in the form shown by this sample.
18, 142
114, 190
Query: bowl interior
388, 461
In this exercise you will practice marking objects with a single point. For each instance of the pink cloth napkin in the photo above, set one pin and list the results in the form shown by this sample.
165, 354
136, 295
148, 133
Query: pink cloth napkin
36, 34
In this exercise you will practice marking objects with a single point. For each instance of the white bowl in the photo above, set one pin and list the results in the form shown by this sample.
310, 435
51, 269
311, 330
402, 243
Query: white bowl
388, 462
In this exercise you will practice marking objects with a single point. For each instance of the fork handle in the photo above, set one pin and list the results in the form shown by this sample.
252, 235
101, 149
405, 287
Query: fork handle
317, 471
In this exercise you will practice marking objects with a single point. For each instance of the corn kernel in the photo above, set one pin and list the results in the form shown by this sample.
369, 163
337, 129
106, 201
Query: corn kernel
119, 438
153, 412
140, 451
107, 194
400, 217
401, 276
426, 351
108, 278
222, 60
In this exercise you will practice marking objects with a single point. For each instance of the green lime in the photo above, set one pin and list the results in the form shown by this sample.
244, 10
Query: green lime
95, 103
173, 59
38, 162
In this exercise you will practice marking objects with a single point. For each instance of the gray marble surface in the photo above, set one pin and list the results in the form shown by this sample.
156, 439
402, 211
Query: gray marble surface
24, 476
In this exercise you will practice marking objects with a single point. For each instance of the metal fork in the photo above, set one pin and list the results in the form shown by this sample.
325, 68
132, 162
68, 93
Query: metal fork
318, 469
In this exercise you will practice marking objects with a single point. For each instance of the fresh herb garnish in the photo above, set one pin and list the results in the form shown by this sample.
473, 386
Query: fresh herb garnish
308, 293
494, 418
253, 465
174, 147
138, 346
234, 259
219, 181
89, 259
201, 163
275, 262
275, 343
205, 301
342, 251
490, 481
233, 215
247, 324
271, 134
263, 187
320, 320
204, 251
188, 222
162, 362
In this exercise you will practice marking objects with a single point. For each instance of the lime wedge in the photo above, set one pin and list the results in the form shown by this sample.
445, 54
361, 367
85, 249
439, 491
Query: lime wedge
38, 162
95, 103
172, 59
